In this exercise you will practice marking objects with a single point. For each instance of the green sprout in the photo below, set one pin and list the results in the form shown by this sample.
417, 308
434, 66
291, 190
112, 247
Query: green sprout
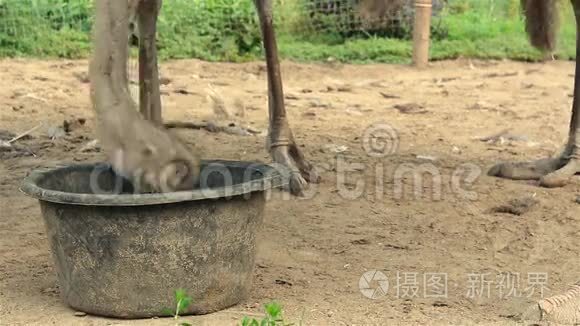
273, 317
182, 302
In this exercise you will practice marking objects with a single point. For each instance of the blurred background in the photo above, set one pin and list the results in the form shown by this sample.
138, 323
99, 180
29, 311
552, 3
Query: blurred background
354, 31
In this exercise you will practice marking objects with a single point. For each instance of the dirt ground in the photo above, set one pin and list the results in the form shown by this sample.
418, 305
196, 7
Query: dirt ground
314, 251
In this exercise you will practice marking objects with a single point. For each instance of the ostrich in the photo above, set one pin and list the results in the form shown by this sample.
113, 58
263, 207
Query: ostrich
138, 145
135, 141
541, 25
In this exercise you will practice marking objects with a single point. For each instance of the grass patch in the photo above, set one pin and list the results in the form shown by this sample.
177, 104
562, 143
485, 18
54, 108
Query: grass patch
227, 30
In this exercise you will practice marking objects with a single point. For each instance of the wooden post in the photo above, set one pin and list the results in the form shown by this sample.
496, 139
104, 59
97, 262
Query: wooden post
421, 31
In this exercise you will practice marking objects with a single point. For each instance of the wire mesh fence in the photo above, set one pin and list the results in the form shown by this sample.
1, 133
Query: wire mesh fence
388, 18
206, 28
228, 29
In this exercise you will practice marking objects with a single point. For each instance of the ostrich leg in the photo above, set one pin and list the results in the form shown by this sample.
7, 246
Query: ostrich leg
280, 142
561, 309
140, 150
149, 94
552, 172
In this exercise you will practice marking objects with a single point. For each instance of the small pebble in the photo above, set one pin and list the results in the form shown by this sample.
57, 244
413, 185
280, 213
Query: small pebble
55, 132
426, 158
80, 314
335, 148
354, 111
4, 145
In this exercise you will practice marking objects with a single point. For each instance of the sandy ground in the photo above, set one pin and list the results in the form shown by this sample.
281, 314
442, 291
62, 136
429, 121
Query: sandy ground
453, 227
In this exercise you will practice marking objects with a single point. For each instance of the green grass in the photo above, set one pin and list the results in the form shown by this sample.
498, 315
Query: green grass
481, 29
227, 30
273, 314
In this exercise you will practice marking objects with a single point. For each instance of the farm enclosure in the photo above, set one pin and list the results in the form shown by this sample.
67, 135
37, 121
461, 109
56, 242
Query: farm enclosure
313, 252
227, 30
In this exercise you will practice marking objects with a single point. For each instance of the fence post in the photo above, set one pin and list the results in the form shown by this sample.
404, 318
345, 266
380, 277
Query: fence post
421, 30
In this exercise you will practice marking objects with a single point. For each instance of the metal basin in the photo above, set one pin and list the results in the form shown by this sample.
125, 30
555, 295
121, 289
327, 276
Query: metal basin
121, 254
